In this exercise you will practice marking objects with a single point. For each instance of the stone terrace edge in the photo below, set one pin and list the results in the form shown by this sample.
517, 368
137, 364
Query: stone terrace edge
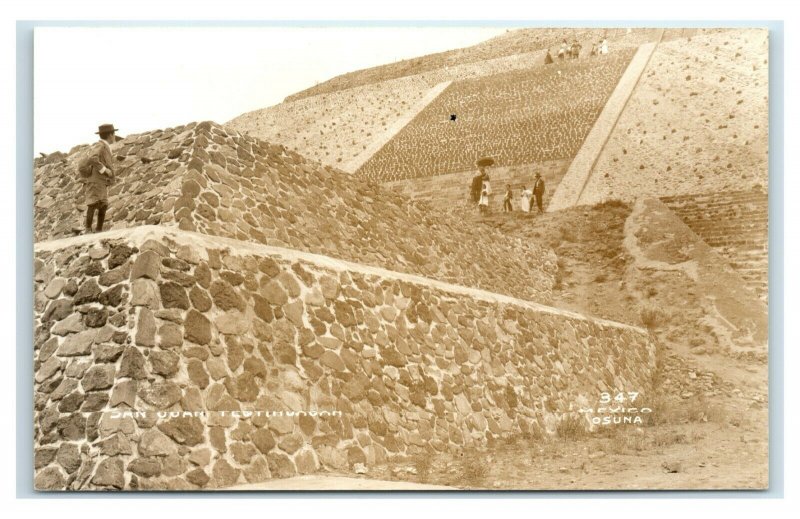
142, 233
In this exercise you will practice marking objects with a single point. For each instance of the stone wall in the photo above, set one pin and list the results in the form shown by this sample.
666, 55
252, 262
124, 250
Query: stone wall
153, 319
207, 178
517, 117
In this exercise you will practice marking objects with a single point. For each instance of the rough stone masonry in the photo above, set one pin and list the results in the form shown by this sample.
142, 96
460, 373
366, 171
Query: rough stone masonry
151, 343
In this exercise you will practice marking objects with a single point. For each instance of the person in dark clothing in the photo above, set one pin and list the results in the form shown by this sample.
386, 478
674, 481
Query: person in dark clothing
475, 188
538, 192
97, 174
507, 200
548, 59
576, 49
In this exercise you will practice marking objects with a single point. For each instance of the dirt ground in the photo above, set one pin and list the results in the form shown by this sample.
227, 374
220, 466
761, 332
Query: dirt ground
728, 451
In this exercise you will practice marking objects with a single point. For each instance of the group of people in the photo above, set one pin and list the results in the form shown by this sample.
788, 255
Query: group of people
481, 191
573, 51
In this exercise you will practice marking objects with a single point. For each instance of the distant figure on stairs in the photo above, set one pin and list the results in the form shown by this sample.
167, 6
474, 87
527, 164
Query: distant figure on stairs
538, 191
575, 51
97, 173
562, 51
604, 46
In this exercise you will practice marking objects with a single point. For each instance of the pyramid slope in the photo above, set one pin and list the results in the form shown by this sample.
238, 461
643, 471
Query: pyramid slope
206, 178
697, 122
520, 117
520, 41
334, 128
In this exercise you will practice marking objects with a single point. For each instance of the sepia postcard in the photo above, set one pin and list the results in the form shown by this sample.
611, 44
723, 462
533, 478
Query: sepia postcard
400, 258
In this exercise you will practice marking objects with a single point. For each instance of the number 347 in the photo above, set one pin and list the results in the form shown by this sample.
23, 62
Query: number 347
619, 397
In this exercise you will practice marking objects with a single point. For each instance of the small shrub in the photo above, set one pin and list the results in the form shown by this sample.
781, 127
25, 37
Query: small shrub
625, 444
571, 428
662, 410
423, 464
667, 438
567, 234
474, 469
636, 443
699, 409
651, 317
615, 445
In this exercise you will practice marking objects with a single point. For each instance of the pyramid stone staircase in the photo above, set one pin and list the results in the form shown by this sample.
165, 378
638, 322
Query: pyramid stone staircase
735, 224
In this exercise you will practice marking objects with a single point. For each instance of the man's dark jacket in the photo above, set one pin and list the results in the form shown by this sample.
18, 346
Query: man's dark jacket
475, 189
538, 188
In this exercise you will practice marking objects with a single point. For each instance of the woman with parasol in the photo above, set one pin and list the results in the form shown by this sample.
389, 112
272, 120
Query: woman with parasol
486, 189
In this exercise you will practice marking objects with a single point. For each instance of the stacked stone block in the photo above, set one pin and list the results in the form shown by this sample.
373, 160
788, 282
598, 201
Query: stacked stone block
207, 178
154, 320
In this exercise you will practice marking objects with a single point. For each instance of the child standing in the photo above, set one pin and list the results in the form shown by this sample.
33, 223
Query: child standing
507, 199
483, 205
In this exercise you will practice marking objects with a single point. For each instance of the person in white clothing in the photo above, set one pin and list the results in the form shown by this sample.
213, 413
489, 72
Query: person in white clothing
483, 205
525, 199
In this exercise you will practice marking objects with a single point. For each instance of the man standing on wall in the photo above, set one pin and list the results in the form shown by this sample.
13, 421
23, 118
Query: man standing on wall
538, 191
97, 173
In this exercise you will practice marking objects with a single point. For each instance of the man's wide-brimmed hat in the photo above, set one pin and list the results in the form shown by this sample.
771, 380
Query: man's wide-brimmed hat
484, 162
105, 128
538, 174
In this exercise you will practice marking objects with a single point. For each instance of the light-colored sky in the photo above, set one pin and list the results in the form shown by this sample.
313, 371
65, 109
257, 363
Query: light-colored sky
142, 79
